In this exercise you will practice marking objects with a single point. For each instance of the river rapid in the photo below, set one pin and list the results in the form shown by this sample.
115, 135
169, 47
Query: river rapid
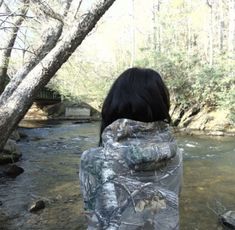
51, 155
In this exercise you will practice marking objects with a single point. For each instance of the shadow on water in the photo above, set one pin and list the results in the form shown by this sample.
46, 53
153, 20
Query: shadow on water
51, 156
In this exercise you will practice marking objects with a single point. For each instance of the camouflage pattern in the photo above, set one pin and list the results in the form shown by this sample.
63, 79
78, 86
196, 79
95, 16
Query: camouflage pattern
133, 181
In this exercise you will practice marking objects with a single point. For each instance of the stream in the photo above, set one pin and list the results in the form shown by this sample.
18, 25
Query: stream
51, 155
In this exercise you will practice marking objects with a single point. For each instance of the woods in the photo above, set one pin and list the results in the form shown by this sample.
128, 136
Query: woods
56, 46
190, 43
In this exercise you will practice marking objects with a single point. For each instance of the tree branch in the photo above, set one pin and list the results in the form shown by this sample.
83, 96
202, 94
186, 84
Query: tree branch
1, 2
209, 3
47, 10
66, 8
78, 7
15, 15
14, 48
6, 53
50, 36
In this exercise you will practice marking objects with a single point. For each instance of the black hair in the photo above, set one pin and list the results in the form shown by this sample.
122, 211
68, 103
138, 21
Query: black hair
138, 94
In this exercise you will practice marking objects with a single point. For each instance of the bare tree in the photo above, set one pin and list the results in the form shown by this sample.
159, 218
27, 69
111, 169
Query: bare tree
50, 37
5, 51
19, 97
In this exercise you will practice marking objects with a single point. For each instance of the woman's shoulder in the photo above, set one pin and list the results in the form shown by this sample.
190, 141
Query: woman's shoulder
91, 153
92, 161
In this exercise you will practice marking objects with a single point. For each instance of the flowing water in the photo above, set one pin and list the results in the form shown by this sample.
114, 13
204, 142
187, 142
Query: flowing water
50, 160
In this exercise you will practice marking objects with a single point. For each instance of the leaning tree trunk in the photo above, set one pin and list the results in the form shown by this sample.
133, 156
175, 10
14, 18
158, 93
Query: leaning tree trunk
17, 104
50, 36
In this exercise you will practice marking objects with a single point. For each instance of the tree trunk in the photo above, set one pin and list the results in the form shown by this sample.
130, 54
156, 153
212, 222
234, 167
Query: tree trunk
211, 52
133, 38
221, 28
50, 36
231, 29
17, 104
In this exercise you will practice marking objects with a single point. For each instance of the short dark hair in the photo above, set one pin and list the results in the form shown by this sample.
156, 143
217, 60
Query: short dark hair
138, 94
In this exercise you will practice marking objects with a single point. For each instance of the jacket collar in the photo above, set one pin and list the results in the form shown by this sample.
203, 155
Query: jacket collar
127, 128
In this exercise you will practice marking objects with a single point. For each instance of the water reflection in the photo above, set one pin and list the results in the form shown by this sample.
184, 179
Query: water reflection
51, 157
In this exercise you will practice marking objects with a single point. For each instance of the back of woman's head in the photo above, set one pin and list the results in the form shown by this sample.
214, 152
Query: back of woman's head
138, 94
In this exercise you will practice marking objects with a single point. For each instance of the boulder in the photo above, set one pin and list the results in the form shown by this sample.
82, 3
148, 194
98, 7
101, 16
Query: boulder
23, 135
11, 152
38, 205
228, 219
11, 147
15, 135
6, 158
13, 171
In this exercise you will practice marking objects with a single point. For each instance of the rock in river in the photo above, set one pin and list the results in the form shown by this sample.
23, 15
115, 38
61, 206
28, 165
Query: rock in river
14, 171
228, 219
38, 205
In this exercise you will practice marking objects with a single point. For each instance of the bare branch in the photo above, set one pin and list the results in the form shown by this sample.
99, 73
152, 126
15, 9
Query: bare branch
11, 27
50, 36
209, 3
1, 2
15, 48
5, 20
15, 15
66, 8
6, 7
47, 10
6, 53
78, 7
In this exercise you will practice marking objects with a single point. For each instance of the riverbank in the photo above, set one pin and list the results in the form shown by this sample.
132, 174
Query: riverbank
203, 121
196, 120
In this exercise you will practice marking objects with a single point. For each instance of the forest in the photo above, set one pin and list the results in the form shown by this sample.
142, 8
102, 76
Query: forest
190, 42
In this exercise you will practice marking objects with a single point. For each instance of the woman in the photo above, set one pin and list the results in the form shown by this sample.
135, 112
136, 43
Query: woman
132, 181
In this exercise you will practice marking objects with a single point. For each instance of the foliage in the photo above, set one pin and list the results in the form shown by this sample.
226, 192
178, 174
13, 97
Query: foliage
193, 82
83, 80
185, 41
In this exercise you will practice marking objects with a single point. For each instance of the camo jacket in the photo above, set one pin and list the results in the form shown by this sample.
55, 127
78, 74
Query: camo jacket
133, 181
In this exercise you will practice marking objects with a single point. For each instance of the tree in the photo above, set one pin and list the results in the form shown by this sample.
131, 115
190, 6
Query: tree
231, 31
56, 48
9, 42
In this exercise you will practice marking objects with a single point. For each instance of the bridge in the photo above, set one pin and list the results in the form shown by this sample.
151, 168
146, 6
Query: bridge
47, 96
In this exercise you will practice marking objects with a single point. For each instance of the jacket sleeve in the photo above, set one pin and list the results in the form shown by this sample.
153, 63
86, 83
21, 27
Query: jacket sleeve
89, 176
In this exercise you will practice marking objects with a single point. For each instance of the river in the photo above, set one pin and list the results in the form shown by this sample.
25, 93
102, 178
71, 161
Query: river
50, 159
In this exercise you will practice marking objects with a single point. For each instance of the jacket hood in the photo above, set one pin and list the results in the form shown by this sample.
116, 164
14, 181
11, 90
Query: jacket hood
143, 145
